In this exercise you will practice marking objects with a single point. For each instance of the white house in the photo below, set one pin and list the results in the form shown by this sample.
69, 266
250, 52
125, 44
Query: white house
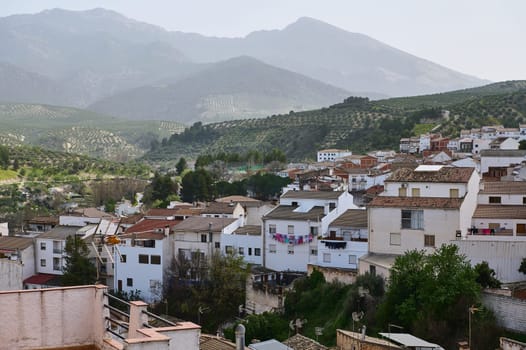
291, 230
141, 261
202, 235
245, 241
17, 261
346, 241
332, 154
49, 249
495, 162
419, 209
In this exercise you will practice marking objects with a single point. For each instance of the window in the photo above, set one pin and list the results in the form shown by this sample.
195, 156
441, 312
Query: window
257, 251
155, 259
429, 240
229, 249
56, 264
415, 192
372, 270
241, 251
402, 192
123, 258
494, 200
129, 282
249, 251
43, 262
314, 231
326, 257
294, 204
42, 245
395, 238
271, 228
521, 229
453, 193
147, 243
290, 249
413, 219
313, 251
203, 238
523, 200
290, 229
271, 248
332, 206
143, 259
352, 259
217, 245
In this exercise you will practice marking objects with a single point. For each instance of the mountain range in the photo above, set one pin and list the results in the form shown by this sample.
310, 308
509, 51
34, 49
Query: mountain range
100, 58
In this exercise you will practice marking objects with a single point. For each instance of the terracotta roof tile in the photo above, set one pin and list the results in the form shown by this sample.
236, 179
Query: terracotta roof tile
445, 174
301, 342
151, 224
219, 208
416, 202
500, 211
505, 187
8, 243
351, 218
286, 212
312, 194
202, 224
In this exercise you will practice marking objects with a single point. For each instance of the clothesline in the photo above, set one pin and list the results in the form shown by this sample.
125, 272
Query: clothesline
292, 239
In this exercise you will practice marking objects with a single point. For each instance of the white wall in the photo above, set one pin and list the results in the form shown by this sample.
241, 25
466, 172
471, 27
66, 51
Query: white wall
245, 241
340, 257
506, 199
487, 162
140, 273
439, 222
49, 255
11, 274
503, 256
427, 189
56, 317
254, 214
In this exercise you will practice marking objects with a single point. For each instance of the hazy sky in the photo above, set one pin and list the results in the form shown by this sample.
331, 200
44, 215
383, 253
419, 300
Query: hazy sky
486, 38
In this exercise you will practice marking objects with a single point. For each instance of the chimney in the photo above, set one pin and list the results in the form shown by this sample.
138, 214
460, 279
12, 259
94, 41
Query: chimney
240, 337
167, 230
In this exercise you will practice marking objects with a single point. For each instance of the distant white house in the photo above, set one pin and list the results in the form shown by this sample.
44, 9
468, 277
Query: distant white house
332, 154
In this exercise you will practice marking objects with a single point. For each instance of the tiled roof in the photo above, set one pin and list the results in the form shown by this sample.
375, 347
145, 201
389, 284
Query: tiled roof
219, 208
251, 230
416, 202
151, 224
286, 212
90, 213
14, 243
158, 236
312, 194
132, 219
445, 174
371, 340
351, 218
60, 232
202, 224
43, 279
51, 220
212, 342
161, 212
498, 211
503, 153
301, 342
504, 187
238, 199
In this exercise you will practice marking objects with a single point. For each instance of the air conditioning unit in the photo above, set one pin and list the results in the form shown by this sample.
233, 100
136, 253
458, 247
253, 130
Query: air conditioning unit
458, 234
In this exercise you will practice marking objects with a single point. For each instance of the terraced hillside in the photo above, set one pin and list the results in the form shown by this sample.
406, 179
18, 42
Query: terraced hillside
80, 131
357, 124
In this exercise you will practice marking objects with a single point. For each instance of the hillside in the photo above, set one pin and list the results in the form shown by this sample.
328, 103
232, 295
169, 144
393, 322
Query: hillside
352, 61
357, 124
238, 88
91, 55
79, 131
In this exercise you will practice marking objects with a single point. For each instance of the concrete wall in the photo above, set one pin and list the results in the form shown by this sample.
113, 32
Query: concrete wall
56, 317
439, 222
261, 301
10, 274
510, 312
237, 241
503, 256
332, 274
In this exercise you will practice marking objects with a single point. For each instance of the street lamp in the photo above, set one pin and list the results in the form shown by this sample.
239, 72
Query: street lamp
471, 311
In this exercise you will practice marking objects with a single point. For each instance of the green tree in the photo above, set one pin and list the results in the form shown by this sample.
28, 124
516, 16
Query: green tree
78, 270
522, 144
429, 295
4, 157
181, 165
160, 189
486, 276
522, 268
197, 185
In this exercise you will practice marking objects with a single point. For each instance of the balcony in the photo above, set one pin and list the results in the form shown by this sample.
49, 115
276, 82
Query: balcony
486, 231
57, 251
